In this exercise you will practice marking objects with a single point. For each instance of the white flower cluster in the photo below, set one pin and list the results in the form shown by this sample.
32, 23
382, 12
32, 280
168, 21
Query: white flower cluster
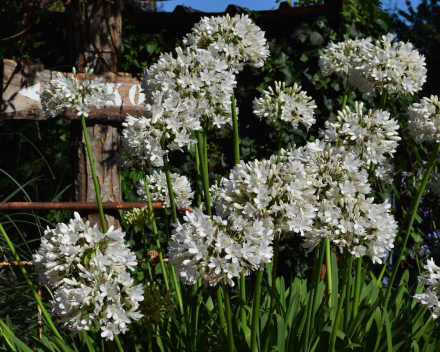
338, 58
237, 40
344, 215
204, 248
372, 137
87, 268
396, 67
293, 106
424, 120
67, 93
280, 195
159, 189
430, 298
139, 146
180, 93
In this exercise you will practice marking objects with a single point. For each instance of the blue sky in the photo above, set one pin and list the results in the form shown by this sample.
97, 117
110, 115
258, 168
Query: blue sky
220, 5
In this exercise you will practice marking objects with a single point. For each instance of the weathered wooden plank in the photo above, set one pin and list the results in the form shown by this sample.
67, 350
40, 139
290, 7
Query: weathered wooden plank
24, 81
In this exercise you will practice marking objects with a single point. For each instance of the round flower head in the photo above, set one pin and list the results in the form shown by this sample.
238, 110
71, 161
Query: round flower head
394, 67
338, 58
159, 189
372, 137
280, 195
205, 248
67, 93
87, 269
430, 298
424, 120
293, 106
237, 40
139, 146
344, 215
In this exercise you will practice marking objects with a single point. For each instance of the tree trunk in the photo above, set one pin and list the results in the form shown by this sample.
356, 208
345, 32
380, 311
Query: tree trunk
95, 30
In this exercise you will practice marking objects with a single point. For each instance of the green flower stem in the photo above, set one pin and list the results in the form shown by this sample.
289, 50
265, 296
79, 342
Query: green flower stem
412, 213
176, 283
95, 179
170, 187
383, 99
316, 297
228, 318
29, 282
331, 347
328, 264
199, 180
98, 199
382, 273
146, 254
311, 296
156, 235
276, 246
150, 339
280, 141
255, 311
357, 287
221, 311
205, 143
205, 179
346, 93
347, 301
235, 132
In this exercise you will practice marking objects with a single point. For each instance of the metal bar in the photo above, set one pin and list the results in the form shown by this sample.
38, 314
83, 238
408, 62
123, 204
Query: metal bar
80, 206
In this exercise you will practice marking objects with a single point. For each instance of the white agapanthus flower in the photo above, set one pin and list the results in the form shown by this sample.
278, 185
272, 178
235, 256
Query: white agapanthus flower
373, 137
292, 106
67, 93
159, 189
280, 195
424, 120
430, 298
88, 270
205, 248
396, 67
338, 58
344, 216
237, 40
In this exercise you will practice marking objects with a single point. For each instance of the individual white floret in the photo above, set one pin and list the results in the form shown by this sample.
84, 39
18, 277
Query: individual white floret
237, 40
87, 270
424, 120
291, 106
67, 93
205, 248
159, 189
373, 137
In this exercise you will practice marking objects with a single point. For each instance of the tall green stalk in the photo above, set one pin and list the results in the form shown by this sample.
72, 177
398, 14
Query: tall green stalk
346, 93
334, 334
280, 141
228, 318
317, 280
412, 213
235, 131
98, 199
31, 286
150, 339
357, 287
276, 246
347, 301
95, 179
255, 311
156, 235
198, 181
146, 254
328, 265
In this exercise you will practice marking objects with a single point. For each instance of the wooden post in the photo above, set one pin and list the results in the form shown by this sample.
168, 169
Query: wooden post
95, 31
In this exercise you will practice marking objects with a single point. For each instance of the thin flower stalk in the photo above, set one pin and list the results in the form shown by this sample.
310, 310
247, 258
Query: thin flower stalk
280, 141
357, 287
31, 286
412, 213
311, 298
328, 265
228, 318
346, 93
347, 301
318, 269
255, 311
156, 236
334, 334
